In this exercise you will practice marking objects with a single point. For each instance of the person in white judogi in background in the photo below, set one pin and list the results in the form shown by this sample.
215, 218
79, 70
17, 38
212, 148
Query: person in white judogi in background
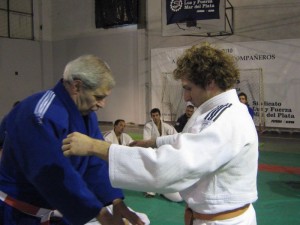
156, 127
117, 135
153, 129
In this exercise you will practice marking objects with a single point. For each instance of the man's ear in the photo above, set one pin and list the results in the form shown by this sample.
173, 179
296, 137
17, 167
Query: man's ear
76, 86
211, 85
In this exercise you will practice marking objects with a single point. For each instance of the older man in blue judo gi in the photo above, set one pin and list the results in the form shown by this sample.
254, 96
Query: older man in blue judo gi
38, 185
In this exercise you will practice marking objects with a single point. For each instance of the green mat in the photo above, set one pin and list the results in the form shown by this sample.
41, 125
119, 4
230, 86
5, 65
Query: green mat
136, 136
278, 203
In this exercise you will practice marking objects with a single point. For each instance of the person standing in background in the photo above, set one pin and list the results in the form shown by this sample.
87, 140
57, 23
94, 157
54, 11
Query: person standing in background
244, 99
182, 120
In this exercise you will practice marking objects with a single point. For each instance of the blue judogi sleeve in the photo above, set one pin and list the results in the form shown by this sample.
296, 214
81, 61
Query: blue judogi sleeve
2, 131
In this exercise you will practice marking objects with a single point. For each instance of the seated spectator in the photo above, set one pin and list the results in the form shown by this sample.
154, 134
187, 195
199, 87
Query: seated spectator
157, 127
117, 135
182, 120
153, 129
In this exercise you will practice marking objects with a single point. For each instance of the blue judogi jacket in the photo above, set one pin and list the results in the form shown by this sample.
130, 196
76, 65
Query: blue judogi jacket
2, 131
33, 168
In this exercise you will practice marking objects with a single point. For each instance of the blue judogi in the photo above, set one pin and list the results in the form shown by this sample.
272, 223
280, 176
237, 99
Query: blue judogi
2, 131
33, 168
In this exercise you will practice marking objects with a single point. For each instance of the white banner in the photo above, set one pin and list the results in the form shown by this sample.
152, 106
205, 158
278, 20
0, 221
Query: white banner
279, 63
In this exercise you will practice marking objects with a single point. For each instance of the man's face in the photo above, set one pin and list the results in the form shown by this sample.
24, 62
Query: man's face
119, 128
91, 100
193, 93
155, 117
189, 111
243, 99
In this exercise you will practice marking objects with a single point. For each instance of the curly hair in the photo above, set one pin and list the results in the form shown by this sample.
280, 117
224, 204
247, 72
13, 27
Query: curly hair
201, 64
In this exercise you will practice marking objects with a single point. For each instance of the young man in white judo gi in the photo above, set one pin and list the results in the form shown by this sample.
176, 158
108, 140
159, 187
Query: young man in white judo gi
212, 163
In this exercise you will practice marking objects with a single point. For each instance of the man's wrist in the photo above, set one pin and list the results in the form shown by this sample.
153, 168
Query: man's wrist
153, 143
117, 201
101, 149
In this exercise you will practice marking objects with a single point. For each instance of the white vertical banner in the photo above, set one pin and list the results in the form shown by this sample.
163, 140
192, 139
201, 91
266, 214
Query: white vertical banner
279, 63
165, 93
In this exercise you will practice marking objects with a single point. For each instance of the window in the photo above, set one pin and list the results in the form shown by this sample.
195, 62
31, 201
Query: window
115, 13
16, 19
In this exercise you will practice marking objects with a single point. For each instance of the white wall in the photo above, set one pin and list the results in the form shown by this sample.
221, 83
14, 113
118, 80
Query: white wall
18, 56
119, 50
69, 31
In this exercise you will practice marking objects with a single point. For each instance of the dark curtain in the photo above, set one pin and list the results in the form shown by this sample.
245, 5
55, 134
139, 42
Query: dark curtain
112, 13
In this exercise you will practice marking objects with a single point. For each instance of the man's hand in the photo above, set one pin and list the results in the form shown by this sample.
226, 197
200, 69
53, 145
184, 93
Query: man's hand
77, 144
105, 217
82, 145
122, 212
146, 143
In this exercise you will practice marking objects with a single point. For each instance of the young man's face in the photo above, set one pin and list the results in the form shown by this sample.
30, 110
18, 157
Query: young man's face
243, 99
193, 93
155, 117
189, 111
119, 128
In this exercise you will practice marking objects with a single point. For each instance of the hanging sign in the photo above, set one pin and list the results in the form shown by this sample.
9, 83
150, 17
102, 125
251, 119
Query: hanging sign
179, 11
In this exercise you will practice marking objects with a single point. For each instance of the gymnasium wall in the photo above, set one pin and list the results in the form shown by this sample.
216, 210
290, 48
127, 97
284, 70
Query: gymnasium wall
68, 31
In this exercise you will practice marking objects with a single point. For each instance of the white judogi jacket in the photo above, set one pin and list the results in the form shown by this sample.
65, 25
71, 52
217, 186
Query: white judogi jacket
112, 138
151, 131
213, 164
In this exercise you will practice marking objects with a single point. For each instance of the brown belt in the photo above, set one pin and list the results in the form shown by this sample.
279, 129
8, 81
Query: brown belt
190, 215
45, 215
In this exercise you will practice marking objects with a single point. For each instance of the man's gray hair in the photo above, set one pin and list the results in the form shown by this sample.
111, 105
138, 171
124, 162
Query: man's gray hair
91, 70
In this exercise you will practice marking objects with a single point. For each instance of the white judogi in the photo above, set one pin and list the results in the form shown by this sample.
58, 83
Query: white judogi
112, 138
151, 131
213, 165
